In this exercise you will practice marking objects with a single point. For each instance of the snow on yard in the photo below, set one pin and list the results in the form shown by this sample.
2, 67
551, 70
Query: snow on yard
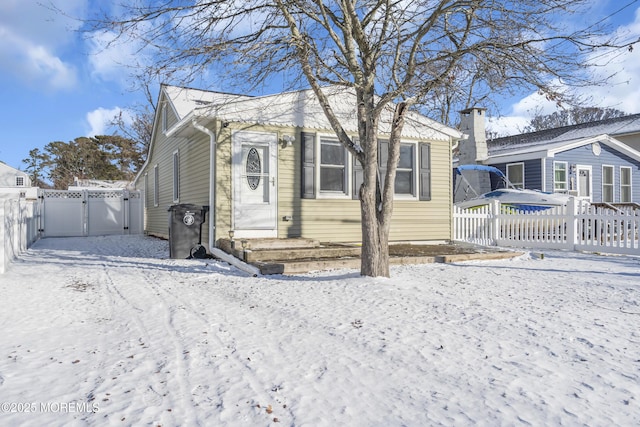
108, 331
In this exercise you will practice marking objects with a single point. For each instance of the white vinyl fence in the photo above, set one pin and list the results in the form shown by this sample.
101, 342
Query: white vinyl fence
577, 226
65, 213
71, 213
19, 222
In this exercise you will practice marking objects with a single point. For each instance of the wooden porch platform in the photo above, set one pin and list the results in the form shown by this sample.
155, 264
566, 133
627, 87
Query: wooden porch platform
295, 256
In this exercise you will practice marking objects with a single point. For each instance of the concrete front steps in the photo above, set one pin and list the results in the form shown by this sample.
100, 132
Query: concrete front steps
298, 255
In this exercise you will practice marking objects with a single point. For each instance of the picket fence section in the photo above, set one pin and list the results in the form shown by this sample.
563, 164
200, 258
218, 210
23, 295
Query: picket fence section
576, 226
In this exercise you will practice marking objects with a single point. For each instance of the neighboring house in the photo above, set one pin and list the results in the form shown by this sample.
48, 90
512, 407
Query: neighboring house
13, 178
271, 167
598, 161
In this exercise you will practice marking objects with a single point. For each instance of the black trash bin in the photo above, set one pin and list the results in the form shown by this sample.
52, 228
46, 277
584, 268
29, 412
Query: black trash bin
185, 229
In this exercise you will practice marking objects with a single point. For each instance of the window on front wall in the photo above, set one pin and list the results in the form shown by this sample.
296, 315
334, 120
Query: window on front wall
405, 172
625, 184
176, 176
19, 181
607, 184
333, 167
560, 182
515, 174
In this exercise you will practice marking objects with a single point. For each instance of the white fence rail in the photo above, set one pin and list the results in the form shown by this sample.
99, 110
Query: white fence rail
19, 222
69, 213
577, 226
27, 216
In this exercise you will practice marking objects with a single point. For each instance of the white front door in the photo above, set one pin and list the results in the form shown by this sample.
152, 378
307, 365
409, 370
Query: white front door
584, 182
254, 184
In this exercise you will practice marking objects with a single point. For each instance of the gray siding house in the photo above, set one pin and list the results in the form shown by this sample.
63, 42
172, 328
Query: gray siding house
596, 161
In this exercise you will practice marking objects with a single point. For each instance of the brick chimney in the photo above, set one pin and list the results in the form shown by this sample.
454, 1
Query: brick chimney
472, 150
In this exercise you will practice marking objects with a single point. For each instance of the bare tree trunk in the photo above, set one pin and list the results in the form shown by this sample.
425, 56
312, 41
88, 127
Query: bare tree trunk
375, 237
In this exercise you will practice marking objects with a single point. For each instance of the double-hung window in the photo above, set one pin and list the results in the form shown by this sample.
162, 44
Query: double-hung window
515, 174
329, 171
405, 175
19, 181
333, 167
625, 184
560, 180
607, 184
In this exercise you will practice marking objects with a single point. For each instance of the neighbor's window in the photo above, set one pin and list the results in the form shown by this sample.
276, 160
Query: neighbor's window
625, 184
156, 186
176, 176
607, 184
333, 167
560, 182
163, 117
515, 174
405, 172
19, 181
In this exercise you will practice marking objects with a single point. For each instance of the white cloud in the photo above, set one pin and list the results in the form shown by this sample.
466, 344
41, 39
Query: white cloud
100, 120
110, 59
622, 92
30, 36
34, 63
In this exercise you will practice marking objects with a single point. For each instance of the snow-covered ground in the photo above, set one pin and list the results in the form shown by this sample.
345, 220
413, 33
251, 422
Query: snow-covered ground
108, 331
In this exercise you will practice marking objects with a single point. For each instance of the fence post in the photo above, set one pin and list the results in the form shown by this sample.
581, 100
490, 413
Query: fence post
571, 218
494, 211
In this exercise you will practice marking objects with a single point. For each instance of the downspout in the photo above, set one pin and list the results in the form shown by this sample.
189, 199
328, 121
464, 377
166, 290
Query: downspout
212, 179
217, 252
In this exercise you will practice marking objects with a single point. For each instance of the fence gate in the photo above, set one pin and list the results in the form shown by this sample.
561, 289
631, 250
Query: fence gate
74, 213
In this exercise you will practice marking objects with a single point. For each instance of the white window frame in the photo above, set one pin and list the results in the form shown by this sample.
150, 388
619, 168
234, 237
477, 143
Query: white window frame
611, 184
20, 181
156, 185
516, 184
629, 185
566, 178
163, 117
329, 194
176, 176
414, 174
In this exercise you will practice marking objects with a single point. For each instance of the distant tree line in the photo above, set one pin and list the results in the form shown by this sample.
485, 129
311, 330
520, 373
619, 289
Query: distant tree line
569, 117
104, 157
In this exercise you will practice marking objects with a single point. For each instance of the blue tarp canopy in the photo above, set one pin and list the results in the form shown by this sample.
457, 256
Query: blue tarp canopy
483, 168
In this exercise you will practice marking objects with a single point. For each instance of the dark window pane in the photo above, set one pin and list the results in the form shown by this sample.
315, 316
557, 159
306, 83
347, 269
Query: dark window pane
406, 157
332, 179
331, 154
404, 181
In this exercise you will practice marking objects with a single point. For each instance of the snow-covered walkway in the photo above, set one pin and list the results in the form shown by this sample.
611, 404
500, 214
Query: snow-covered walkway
107, 331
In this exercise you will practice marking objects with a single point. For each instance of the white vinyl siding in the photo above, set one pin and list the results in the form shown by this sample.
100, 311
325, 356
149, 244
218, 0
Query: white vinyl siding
607, 183
625, 185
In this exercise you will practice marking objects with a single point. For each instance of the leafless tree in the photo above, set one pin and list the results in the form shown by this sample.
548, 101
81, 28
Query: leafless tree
571, 116
395, 54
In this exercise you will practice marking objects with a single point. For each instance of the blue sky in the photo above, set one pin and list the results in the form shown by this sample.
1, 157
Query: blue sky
57, 85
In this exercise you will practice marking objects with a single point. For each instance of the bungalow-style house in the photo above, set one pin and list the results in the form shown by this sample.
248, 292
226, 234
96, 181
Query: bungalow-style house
271, 167
597, 161
13, 178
